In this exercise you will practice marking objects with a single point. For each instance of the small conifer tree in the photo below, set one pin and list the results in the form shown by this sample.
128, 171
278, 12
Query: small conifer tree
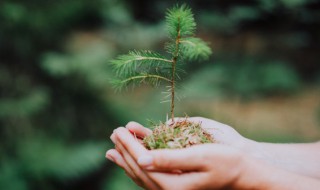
152, 68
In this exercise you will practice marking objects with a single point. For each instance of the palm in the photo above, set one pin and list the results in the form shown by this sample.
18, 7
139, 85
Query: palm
221, 133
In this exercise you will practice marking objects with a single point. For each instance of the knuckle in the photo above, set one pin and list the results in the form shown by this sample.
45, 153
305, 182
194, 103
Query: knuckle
138, 173
161, 162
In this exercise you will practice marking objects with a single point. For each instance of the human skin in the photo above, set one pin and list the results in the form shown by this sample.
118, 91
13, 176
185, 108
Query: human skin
212, 166
291, 157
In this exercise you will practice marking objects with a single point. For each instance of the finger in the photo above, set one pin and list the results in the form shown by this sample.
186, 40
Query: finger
168, 160
138, 129
187, 159
112, 137
120, 161
116, 157
133, 146
179, 181
138, 172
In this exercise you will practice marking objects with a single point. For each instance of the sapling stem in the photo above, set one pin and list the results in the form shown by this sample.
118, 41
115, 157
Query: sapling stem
174, 62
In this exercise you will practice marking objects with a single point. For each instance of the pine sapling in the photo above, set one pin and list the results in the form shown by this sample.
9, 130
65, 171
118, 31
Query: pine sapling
139, 67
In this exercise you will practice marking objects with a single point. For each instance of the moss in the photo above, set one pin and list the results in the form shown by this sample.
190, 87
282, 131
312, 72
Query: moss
180, 134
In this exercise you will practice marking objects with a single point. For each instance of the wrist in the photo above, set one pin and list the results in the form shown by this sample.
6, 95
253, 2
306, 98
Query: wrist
255, 150
255, 174
252, 174
245, 173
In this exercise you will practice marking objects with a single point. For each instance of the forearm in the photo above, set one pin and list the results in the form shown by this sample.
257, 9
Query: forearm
258, 175
302, 159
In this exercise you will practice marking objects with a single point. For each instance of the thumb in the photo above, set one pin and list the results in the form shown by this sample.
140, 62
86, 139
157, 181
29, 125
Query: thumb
186, 159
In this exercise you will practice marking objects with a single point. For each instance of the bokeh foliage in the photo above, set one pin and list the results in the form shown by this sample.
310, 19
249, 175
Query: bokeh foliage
57, 108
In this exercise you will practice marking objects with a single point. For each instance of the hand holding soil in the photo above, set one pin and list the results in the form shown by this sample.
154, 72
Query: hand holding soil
233, 162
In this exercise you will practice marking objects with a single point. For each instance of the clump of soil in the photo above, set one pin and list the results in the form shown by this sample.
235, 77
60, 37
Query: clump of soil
179, 134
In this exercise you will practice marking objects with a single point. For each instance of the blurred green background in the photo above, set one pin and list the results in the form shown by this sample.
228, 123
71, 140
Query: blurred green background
57, 108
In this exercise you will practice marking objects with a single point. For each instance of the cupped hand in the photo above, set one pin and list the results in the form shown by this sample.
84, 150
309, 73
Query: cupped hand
209, 166
221, 133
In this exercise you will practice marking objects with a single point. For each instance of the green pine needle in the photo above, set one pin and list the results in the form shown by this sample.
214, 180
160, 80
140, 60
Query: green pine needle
180, 19
138, 62
143, 78
194, 49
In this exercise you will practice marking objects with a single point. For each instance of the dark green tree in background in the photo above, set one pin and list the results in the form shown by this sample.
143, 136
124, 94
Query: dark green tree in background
47, 135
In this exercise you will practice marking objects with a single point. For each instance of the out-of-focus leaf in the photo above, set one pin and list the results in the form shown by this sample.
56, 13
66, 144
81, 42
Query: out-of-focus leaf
41, 157
11, 177
28, 105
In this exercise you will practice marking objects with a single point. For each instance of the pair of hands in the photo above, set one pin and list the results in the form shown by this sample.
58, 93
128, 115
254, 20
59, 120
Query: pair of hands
207, 166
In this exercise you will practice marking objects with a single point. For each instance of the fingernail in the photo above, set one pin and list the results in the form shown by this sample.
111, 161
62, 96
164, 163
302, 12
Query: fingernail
110, 158
113, 138
145, 160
